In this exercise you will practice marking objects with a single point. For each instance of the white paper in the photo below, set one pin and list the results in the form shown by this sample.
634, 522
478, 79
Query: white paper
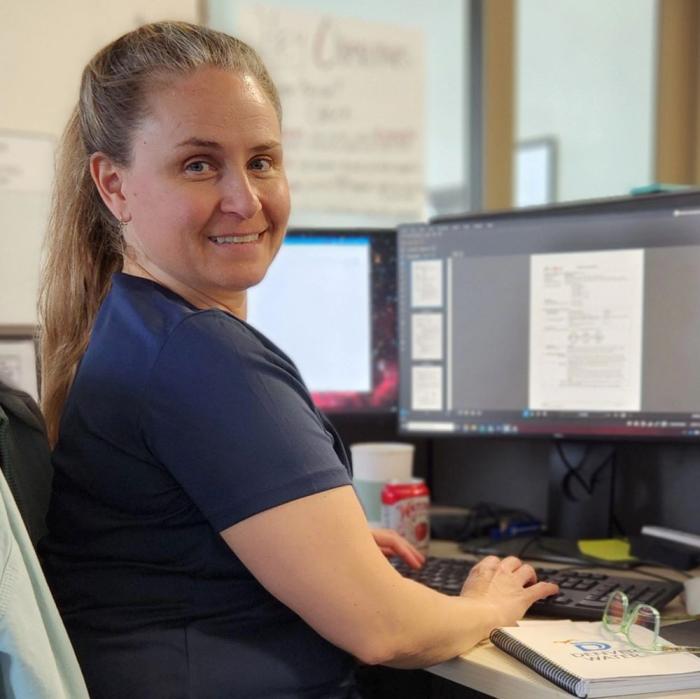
426, 386
18, 365
426, 336
586, 330
533, 174
426, 283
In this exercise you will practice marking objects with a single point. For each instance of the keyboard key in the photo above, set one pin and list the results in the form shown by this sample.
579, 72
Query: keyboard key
592, 604
568, 584
560, 599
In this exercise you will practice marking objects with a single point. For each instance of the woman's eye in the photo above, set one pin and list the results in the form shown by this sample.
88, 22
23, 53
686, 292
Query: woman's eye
260, 164
198, 166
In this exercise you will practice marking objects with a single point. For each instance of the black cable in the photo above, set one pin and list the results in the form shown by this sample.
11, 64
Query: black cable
573, 471
530, 541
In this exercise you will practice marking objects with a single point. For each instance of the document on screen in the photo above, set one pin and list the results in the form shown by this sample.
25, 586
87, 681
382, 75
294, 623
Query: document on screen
426, 387
426, 336
586, 330
426, 283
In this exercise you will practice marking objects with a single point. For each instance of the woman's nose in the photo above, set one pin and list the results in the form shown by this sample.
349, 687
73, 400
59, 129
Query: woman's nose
239, 196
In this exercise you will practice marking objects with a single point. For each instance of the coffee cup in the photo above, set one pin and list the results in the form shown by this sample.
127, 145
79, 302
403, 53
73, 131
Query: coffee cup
375, 464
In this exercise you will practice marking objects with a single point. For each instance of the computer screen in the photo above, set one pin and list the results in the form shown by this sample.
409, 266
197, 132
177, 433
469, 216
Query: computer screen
580, 321
329, 302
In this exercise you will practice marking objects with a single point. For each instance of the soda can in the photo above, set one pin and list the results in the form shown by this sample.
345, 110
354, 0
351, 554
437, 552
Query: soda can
406, 509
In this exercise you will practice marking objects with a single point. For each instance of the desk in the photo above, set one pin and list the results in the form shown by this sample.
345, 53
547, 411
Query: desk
491, 671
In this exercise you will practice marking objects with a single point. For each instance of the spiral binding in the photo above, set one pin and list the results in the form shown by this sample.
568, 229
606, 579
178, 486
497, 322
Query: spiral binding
545, 667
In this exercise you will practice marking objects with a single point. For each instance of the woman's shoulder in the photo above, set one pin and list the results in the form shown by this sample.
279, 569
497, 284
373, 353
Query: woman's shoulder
149, 322
136, 304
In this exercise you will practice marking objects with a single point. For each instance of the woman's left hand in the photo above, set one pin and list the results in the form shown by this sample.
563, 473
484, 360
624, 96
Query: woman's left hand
393, 544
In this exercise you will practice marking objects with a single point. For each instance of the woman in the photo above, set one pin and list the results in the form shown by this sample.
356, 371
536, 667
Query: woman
205, 540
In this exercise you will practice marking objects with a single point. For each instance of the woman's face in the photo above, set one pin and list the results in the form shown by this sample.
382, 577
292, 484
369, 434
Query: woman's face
206, 194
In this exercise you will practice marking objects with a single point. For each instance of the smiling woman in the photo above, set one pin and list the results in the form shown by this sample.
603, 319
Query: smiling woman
204, 200
204, 537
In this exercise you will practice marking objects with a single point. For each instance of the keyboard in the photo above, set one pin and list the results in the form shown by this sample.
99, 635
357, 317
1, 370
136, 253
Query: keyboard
582, 594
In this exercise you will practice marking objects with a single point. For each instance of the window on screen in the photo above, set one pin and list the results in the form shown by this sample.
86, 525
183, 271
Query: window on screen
315, 305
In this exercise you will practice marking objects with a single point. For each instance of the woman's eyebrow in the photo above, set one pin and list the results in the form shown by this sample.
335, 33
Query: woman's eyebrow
203, 143
200, 143
267, 145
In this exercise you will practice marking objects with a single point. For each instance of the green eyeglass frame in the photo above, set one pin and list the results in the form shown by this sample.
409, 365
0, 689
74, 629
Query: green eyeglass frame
639, 623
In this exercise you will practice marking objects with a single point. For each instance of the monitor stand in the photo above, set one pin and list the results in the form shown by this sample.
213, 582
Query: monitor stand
581, 490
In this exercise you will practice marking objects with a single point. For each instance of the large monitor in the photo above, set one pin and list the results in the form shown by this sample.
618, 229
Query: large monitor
329, 302
570, 321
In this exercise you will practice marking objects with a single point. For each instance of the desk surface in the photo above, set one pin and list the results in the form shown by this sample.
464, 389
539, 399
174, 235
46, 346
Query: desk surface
491, 671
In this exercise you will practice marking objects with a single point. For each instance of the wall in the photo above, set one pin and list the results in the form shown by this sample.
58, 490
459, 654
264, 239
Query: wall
43, 48
586, 75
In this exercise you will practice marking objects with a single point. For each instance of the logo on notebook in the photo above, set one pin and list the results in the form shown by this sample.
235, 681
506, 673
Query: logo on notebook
591, 646
587, 646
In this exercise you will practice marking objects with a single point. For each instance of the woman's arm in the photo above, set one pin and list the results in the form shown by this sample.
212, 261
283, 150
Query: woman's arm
317, 556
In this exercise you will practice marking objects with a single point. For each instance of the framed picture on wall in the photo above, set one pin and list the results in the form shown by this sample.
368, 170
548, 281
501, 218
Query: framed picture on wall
18, 358
536, 172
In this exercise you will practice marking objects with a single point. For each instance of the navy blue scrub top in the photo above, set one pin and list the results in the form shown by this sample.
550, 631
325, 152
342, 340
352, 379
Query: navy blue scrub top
180, 423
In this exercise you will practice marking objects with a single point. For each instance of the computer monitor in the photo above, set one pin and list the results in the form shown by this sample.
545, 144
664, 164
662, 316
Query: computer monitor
578, 321
329, 302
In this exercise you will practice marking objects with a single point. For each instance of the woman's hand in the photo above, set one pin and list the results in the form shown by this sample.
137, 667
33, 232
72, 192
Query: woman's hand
509, 585
393, 544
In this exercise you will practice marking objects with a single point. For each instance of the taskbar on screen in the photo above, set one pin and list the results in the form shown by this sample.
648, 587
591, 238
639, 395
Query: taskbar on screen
534, 423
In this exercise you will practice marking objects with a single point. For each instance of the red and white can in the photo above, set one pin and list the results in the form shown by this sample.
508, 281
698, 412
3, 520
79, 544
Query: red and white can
406, 509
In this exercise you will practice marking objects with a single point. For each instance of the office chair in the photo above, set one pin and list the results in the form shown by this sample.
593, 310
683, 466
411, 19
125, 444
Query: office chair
36, 657
25, 458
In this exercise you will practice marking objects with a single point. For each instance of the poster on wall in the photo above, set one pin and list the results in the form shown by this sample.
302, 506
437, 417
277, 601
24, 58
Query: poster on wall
353, 95
18, 366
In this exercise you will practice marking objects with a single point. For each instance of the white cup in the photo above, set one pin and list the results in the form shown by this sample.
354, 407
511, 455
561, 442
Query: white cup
374, 464
692, 595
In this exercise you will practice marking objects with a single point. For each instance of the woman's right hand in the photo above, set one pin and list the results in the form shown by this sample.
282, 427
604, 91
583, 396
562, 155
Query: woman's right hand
508, 585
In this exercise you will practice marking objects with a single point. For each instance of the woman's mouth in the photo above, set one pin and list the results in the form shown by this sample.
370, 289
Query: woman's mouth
235, 239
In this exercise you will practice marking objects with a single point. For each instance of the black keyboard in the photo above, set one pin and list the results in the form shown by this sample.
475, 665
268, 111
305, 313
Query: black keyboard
582, 594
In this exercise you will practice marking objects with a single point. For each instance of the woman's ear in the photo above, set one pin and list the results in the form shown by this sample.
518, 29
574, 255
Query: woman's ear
108, 178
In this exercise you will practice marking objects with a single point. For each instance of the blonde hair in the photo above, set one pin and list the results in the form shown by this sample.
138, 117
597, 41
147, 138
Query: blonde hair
84, 246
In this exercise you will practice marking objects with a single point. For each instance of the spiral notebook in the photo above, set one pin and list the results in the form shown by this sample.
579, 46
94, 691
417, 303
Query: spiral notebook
587, 661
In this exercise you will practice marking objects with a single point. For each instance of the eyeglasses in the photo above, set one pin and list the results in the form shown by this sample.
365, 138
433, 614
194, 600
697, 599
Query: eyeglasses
640, 624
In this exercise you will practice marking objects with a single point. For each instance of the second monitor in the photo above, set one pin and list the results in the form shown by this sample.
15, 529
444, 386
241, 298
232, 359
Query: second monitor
329, 302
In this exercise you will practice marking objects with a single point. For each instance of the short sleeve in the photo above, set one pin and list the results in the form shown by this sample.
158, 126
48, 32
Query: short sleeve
231, 420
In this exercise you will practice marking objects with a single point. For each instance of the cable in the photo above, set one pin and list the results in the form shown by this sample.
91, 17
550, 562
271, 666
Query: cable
575, 474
